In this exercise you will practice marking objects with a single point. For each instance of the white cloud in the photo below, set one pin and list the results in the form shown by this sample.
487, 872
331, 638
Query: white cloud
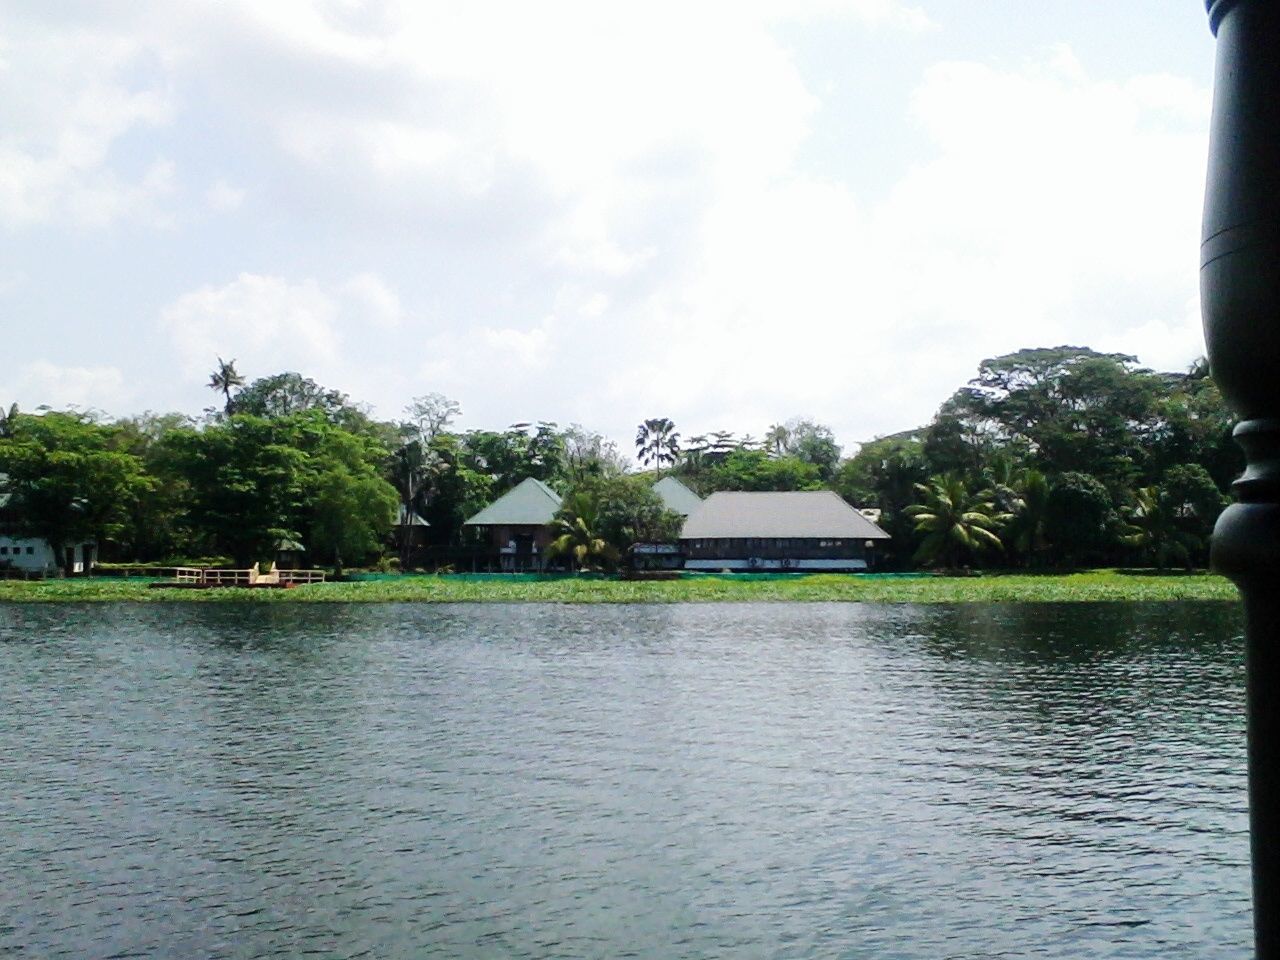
222, 197
265, 322
44, 383
69, 98
600, 213
373, 300
1054, 208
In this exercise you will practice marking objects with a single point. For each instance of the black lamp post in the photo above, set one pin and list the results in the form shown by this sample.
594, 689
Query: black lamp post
1240, 295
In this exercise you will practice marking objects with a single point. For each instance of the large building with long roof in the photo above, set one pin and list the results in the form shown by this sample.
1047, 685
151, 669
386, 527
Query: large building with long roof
800, 531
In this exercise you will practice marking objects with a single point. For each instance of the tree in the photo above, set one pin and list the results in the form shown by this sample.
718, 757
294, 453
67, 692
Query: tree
8, 421
457, 490
1153, 529
813, 443
589, 455
1194, 497
777, 439
657, 443
1078, 518
247, 480
953, 523
522, 450
756, 470
289, 393
224, 379
575, 529
431, 414
66, 483
1025, 533
154, 527
626, 511
352, 512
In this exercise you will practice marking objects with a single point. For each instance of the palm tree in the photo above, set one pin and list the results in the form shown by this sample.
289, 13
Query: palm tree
954, 523
657, 442
8, 421
776, 439
1153, 529
575, 526
224, 378
1025, 531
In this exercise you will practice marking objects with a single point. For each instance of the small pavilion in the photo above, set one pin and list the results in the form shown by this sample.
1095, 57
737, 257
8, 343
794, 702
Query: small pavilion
518, 524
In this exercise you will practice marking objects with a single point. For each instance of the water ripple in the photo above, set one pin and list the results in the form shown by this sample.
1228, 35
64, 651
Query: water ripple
545, 781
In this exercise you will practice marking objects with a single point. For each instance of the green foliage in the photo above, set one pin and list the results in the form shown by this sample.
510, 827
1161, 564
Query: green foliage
626, 511
1025, 534
755, 470
66, 480
576, 530
1153, 528
246, 482
1078, 518
1087, 587
884, 474
509, 456
352, 512
810, 442
953, 524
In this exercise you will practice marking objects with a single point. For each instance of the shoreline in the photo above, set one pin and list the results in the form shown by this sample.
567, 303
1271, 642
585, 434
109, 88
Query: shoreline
1082, 587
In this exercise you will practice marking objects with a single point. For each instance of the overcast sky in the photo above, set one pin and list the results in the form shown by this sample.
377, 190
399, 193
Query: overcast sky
724, 213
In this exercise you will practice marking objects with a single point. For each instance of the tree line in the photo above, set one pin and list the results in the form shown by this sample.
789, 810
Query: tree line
1055, 457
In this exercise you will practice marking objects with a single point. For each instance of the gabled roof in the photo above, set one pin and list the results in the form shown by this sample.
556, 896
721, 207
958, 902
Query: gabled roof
410, 518
809, 514
676, 496
530, 503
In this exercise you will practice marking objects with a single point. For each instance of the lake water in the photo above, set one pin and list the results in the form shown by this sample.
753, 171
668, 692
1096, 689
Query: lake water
770, 780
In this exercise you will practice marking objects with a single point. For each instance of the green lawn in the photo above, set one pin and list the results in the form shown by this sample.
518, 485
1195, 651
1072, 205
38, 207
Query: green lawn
1089, 585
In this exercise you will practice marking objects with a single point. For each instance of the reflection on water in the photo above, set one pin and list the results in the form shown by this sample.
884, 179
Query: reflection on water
768, 780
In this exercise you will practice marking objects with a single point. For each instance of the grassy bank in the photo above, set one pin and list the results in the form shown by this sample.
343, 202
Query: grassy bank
1093, 585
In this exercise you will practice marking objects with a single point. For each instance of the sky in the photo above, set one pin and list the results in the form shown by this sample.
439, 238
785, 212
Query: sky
724, 213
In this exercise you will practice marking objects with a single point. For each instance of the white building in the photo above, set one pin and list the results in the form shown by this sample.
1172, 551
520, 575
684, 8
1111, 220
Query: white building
33, 555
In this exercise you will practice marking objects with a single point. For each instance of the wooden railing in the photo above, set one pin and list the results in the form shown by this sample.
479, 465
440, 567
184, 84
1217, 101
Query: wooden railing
251, 577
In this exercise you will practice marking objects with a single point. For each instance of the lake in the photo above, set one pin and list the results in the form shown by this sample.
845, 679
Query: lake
762, 780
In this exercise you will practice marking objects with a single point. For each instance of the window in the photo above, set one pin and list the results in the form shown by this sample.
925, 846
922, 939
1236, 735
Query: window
4, 550
30, 550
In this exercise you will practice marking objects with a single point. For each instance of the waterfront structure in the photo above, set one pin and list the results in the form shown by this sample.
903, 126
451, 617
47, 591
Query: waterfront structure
35, 556
800, 531
518, 524
410, 532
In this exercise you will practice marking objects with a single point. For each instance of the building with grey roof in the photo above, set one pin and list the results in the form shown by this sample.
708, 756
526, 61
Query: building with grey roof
518, 524
800, 531
676, 496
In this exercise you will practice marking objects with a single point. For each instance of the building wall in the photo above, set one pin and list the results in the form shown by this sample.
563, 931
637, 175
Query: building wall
776, 554
35, 555
502, 538
767, 548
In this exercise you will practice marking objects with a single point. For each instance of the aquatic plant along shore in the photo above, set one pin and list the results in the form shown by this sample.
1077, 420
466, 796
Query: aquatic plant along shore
1087, 586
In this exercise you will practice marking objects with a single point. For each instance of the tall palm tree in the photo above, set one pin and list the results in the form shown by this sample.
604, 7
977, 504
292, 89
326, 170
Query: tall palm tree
575, 527
1153, 529
8, 421
1025, 530
776, 439
657, 442
953, 522
224, 379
